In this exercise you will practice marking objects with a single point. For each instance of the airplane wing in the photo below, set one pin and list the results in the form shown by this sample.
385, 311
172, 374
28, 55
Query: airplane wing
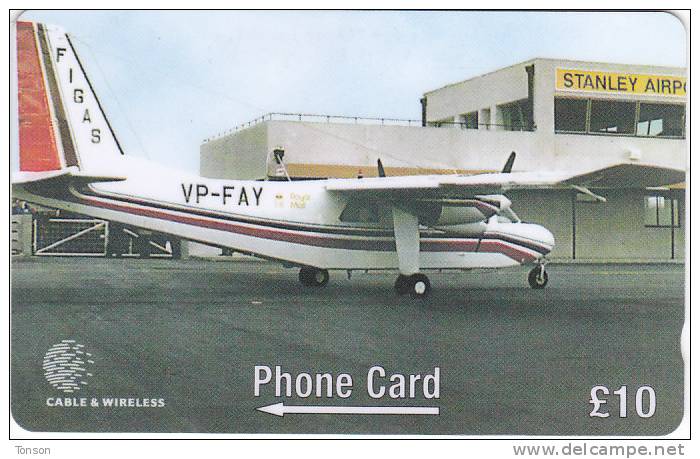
446, 186
405, 193
629, 176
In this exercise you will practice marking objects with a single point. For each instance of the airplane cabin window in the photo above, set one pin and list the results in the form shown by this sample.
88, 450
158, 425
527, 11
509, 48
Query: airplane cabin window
360, 211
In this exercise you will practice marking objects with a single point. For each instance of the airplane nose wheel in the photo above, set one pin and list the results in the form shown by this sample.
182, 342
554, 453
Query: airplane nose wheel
416, 285
313, 277
538, 277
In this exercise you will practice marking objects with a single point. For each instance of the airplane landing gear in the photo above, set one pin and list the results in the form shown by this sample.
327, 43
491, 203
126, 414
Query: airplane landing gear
417, 285
538, 277
401, 285
313, 277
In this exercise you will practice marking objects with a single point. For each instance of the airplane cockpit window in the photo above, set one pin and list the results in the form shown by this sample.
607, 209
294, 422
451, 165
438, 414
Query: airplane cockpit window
360, 211
506, 216
503, 219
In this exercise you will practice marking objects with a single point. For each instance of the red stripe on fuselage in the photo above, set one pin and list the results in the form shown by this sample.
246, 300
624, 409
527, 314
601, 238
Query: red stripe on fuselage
37, 143
265, 233
479, 246
449, 245
316, 240
493, 245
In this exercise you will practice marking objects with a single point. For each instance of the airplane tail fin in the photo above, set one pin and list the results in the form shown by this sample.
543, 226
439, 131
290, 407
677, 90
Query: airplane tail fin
61, 121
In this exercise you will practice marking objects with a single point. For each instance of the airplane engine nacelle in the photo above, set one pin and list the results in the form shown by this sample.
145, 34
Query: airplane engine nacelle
465, 230
461, 215
498, 200
475, 210
452, 212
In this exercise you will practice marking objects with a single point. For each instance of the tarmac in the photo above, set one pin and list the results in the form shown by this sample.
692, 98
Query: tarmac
188, 335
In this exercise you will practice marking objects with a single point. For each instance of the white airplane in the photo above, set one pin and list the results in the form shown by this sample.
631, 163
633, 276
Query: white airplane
69, 158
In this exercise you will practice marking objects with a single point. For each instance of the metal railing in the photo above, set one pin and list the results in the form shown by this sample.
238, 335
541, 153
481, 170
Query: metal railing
488, 126
316, 118
342, 119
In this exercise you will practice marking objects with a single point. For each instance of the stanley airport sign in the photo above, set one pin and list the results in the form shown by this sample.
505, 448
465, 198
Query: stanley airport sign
620, 83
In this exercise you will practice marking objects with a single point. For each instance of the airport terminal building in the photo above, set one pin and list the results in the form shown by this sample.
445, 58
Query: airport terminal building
555, 114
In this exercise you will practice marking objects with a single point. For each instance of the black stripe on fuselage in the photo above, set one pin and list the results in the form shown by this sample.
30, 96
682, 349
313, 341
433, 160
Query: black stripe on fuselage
517, 241
346, 231
341, 231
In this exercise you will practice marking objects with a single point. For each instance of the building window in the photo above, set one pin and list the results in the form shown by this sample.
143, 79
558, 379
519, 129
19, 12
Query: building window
515, 116
661, 211
570, 114
612, 117
485, 116
609, 116
471, 120
661, 120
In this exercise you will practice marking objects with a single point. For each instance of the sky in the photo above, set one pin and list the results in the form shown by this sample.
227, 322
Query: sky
168, 80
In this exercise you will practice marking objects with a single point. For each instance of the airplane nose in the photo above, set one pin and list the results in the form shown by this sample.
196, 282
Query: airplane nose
543, 236
539, 237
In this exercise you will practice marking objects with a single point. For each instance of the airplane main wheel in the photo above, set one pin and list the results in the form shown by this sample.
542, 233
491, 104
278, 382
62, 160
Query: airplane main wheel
313, 277
402, 285
419, 285
538, 278
416, 285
